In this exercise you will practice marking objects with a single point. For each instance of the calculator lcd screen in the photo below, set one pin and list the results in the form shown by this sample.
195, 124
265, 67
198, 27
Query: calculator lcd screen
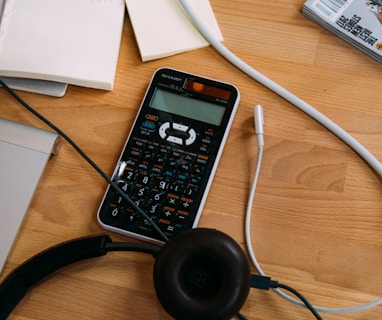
187, 107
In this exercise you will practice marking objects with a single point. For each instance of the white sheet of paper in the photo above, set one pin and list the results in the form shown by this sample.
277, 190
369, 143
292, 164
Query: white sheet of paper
162, 29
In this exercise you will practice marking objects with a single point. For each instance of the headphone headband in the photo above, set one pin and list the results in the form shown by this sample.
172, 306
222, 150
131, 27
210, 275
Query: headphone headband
16, 285
199, 274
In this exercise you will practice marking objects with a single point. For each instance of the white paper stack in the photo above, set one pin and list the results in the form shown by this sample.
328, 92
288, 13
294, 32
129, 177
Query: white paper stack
68, 41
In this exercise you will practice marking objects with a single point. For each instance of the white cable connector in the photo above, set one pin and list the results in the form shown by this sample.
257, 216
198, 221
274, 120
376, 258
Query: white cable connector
258, 117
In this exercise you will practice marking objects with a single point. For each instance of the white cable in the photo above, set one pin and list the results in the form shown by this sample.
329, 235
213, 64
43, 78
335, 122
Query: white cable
282, 92
305, 107
259, 125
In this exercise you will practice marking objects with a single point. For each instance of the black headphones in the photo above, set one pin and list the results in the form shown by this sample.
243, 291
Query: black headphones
199, 274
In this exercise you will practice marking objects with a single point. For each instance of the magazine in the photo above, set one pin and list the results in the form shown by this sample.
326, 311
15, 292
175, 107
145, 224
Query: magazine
359, 22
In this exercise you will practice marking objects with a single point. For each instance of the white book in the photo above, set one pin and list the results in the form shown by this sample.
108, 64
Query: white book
69, 41
162, 28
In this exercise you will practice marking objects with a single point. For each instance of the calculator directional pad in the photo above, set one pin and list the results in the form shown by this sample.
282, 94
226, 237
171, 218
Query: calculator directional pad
177, 133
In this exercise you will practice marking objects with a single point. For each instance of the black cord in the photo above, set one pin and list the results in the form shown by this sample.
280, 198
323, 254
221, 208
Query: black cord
240, 316
302, 298
87, 158
266, 283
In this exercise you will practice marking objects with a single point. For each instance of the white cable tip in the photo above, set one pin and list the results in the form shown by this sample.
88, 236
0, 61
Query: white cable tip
258, 119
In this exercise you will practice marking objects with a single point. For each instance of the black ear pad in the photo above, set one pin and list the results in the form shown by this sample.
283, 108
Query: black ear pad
202, 274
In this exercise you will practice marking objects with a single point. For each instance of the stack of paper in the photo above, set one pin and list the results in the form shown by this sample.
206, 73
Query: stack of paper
68, 41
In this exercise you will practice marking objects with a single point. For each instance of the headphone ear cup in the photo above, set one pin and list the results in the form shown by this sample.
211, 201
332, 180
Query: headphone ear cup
202, 274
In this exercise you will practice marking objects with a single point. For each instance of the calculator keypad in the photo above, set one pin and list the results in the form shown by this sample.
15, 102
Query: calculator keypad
163, 181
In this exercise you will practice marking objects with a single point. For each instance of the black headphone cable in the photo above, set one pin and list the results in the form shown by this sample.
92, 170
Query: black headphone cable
266, 283
87, 158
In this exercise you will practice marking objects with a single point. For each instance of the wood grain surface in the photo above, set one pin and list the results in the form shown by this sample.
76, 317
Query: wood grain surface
317, 215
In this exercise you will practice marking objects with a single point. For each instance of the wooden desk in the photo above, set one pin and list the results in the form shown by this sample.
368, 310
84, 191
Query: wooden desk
317, 217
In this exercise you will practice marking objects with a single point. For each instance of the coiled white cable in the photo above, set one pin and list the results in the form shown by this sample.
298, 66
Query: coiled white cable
259, 126
309, 110
282, 92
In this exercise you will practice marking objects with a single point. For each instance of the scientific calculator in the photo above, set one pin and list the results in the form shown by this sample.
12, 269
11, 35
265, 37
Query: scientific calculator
171, 155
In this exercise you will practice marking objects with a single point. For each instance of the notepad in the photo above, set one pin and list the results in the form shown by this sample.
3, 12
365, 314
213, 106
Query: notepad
24, 153
162, 29
68, 41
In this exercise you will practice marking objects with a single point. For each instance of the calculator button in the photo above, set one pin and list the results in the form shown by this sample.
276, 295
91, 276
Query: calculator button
164, 150
190, 190
172, 200
154, 207
185, 203
140, 193
181, 217
164, 221
168, 230
138, 143
135, 153
175, 140
201, 161
209, 133
124, 186
129, 175
198, 171
181, 176
185, 166
160, 183
160, 160
145, 225
148, 125
163, 128
204, 149
143, 166
156, 197
131, 163
156, 169
191, 138
189, 157
117, 199
168, 213
180, 127
171, 164
176, 154
115, 211
177, 187
147, 155
143, 179
206, 141
132, 217
151, 148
